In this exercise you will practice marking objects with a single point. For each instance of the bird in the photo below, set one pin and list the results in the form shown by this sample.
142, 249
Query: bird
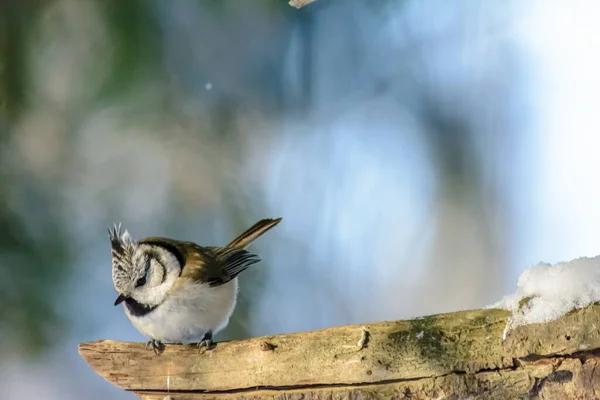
176, 291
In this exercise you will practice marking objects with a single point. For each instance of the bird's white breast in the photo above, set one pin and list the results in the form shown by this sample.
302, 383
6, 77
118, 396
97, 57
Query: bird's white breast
189, 312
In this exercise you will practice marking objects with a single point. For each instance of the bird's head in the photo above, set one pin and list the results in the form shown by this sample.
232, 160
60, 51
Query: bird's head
141, 272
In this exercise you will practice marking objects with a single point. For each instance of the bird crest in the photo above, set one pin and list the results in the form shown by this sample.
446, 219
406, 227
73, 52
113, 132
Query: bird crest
122, 248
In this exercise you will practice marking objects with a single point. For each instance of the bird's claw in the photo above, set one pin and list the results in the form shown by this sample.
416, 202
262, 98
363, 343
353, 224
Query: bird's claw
206, 341
156, 346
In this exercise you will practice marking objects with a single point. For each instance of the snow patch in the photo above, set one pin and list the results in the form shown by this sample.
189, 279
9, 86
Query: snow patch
546, 292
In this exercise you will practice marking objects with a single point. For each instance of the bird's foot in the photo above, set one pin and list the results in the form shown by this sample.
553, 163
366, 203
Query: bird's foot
206, 341
156, 346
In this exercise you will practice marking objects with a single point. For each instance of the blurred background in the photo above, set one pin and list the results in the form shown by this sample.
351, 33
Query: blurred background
421, 154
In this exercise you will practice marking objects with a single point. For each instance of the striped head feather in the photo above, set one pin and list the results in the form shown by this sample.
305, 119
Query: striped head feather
123, 248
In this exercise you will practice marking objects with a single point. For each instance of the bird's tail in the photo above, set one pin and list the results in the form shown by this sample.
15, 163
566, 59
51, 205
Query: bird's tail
253, 233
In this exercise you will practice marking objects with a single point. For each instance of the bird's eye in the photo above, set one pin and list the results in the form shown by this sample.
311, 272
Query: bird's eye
142, 280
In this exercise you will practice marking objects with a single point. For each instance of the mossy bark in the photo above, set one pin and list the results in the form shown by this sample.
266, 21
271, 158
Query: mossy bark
454, 355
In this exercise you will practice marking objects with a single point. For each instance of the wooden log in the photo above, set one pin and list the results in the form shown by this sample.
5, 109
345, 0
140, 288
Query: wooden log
440, 356
300, 3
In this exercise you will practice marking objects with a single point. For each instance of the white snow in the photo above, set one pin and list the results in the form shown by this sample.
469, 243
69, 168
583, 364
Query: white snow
546, 292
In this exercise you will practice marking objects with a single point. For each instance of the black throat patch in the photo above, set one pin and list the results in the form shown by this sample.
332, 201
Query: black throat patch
137, 309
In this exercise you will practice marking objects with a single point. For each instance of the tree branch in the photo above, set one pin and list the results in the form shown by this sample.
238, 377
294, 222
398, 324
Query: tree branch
300, 3
459, 354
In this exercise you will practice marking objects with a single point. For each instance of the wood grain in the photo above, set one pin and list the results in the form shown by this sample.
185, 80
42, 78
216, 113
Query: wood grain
553, 378
454, 347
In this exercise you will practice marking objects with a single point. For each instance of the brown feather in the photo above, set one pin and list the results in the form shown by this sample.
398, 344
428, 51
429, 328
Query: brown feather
214, 265
252, 233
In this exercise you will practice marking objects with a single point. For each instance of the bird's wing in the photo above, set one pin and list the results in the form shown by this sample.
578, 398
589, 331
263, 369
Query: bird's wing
215, 265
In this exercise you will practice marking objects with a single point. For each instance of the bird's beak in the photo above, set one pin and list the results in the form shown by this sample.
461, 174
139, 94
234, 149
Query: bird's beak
120, 299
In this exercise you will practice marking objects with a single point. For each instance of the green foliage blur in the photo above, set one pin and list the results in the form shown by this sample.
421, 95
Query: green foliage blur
33, 265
